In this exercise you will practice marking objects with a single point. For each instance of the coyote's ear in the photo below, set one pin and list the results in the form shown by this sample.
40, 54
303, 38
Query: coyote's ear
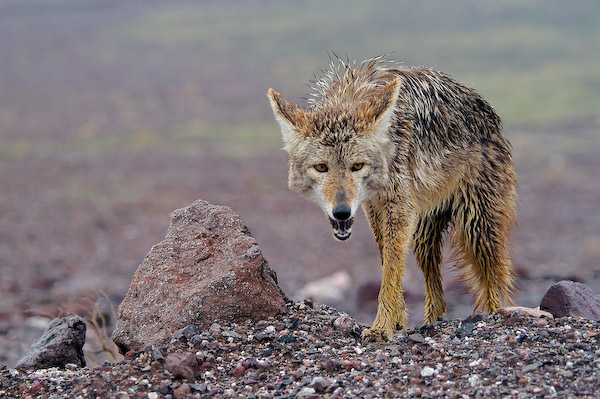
290, 117
383, 107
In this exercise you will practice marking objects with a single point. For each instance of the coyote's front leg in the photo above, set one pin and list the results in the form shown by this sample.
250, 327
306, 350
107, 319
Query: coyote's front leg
391, 226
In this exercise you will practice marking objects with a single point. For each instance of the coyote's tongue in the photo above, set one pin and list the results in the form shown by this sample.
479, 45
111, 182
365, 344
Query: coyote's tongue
341, 228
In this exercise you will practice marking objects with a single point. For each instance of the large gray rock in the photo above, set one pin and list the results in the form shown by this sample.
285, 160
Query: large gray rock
207, 269
568, 298
61, 343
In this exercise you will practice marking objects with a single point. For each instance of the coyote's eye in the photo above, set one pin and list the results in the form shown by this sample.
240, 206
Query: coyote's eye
321, 168
357, 166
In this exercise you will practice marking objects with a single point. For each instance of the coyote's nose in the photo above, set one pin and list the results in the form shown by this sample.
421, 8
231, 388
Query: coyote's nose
341, 212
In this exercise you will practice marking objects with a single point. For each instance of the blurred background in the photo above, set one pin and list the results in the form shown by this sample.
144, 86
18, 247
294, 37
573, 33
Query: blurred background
115, 113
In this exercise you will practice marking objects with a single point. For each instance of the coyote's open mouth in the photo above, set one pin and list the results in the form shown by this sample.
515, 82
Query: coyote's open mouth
341, 228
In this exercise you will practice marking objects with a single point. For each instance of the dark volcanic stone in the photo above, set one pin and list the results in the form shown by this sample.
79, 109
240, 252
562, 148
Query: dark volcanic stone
60, 344
465, 329
569, 298
207, 269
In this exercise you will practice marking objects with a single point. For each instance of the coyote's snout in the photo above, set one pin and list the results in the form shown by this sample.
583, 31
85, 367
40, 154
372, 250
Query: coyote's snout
418, 151
342, 222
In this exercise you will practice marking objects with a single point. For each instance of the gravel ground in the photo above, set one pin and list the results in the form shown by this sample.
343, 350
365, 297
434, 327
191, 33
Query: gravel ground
315, 351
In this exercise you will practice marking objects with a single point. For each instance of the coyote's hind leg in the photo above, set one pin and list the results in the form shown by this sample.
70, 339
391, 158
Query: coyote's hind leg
482, 227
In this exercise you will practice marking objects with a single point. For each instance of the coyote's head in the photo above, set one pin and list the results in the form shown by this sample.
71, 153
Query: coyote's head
339, 147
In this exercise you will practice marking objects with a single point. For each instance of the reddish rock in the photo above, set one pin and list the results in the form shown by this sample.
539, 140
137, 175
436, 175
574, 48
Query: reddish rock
238, 371
182, 391
344, 323
181, 359
568, 298
207, 269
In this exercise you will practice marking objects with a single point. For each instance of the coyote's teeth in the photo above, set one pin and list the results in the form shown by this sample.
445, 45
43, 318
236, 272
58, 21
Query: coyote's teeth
342, 229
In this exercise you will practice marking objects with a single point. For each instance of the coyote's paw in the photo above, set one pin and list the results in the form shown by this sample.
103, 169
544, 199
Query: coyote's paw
402, 321
377, 334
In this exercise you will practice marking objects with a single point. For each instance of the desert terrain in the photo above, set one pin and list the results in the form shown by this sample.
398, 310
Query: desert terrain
113, 114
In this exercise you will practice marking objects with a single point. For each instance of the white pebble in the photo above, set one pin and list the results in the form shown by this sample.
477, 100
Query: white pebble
427, 372
474, 380
306, 391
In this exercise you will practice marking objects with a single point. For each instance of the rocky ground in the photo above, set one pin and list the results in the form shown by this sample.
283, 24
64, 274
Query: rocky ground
99, 143
57, 256
315, 351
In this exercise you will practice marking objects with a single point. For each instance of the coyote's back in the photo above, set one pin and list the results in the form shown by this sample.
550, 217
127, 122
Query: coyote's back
418, 151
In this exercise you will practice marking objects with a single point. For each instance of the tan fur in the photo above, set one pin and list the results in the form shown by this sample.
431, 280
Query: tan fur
434, 155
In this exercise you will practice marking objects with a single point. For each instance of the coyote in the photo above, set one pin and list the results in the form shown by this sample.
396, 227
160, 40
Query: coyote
419, 151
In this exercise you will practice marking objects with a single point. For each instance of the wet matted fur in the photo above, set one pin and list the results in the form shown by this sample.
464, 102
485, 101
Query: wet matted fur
419, 152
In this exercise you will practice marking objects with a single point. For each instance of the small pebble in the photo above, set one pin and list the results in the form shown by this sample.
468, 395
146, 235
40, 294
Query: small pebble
416, 338
214, 327
231, 334
238, 371
306, 391
320, 384
157, 355
427, 372
474, 380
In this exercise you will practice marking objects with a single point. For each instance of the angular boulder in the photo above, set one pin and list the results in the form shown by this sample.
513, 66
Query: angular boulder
569, 298
207, 269
61, 343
